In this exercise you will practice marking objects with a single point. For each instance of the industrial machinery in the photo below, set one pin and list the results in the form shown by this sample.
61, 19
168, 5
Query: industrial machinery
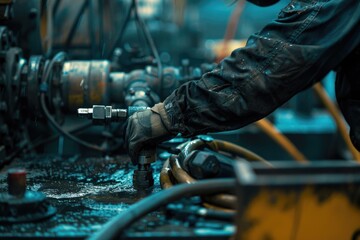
64, 101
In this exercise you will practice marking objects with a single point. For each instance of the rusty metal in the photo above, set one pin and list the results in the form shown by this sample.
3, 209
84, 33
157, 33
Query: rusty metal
319, 200
20, 205
85, 83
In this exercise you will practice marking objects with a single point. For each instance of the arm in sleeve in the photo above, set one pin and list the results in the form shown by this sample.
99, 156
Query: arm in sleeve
307, 40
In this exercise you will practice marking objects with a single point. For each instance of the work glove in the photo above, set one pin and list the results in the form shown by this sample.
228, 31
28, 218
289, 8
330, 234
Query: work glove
146, 129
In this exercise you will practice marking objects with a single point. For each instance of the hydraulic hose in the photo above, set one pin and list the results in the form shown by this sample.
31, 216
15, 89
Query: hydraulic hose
267, 127
222, 200
335, 113
116, 226
220, 145
166, 176
173, 171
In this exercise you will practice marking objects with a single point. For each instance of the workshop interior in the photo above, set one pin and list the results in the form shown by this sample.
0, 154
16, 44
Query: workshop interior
72, 72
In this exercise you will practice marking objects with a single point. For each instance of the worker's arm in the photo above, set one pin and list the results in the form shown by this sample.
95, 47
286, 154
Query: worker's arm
308, 39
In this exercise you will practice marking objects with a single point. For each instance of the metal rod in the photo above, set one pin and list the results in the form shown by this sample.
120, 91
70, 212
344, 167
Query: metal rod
76, 23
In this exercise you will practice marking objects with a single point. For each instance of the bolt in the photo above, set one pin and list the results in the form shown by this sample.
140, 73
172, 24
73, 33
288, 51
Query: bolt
203, 165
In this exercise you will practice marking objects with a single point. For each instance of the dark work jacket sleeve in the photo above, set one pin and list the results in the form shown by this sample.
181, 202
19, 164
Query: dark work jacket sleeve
307, 40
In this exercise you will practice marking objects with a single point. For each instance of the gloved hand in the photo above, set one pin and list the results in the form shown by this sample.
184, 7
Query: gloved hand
146, 129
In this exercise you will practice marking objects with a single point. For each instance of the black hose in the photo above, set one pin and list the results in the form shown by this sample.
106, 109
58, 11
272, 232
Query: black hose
152, 46
54, 137
62, 131
134, 9
48, 68
116, 226
76, 23
101, 27
92, 31
49, 65
122, 30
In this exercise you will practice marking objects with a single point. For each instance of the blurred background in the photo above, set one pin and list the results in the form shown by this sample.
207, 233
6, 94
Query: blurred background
111, 58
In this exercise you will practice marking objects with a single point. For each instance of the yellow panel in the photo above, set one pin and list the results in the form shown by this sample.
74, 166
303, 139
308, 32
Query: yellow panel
332, 218
270, 213
307, 214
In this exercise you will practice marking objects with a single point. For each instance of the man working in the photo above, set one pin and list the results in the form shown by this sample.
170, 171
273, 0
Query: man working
307, 40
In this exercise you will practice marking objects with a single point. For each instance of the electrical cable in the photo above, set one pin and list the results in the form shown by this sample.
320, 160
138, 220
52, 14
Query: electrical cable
152, 46
116, 226
69, 135
335, 113
122, 30
92, 31
101, 27
134, 9
62, 131
76, 24
43, 89
54, 137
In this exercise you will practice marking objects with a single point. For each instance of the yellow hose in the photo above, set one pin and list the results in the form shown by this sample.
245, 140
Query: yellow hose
220, 145
335, 113
217, 208
165, 179
267, 127
222, 200
180, 175
173, 173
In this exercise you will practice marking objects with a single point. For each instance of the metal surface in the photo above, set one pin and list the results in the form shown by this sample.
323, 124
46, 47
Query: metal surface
101, 114
85, 83
20, 205
86, 192
319, 200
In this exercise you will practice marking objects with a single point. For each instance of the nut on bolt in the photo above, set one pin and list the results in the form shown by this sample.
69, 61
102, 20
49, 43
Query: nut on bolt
101, 114
203, 165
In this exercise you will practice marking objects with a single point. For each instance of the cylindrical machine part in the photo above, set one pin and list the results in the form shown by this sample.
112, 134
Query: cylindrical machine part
16, 179
85, 83
117, 86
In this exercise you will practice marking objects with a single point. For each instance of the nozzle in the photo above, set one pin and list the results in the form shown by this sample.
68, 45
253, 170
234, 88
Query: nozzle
101, 114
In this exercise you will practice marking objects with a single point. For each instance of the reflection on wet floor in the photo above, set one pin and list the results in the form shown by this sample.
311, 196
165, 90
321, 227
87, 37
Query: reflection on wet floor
86, 192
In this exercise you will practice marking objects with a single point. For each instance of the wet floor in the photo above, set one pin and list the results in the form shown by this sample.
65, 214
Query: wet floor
87, 192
